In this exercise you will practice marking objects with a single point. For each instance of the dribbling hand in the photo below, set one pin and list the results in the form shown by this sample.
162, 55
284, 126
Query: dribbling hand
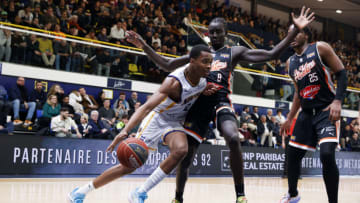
119, 137
303, 19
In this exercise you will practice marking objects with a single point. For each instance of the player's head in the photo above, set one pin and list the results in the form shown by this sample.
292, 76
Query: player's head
217, 32
201, 58
303, 37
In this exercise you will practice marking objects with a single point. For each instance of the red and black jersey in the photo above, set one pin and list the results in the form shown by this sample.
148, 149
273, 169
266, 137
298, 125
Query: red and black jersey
221, 73
316, 89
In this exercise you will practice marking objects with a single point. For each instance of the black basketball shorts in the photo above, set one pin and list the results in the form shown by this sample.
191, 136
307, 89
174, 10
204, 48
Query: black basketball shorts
312, 128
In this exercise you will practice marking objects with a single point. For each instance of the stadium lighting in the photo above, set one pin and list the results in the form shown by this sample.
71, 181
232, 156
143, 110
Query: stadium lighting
338, 11
320, 0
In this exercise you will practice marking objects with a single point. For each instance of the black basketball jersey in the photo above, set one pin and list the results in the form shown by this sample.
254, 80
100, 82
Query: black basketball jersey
221, 73
316, 89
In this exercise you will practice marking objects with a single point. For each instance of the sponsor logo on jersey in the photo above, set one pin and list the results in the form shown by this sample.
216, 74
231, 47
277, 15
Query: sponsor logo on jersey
303, 70
218, 65
225, 55
310, 91
310, 55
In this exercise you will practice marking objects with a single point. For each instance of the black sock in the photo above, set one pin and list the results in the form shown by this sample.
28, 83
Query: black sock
330, 170
239, 188
294, 164
179, 196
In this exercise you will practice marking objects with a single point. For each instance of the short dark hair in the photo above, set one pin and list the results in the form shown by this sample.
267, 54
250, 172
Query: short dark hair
64, 109
308, 32
122, 93
197, 49
220, 20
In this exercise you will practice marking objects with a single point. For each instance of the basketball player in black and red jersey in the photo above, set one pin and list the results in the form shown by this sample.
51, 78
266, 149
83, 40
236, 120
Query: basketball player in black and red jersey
318, 122
218, 106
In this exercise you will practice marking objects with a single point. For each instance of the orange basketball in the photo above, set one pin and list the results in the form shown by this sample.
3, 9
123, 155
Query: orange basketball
132, 152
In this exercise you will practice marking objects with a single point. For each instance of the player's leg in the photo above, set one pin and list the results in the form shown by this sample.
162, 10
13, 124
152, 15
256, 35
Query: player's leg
330, 170
226, 123
178, 146
301, 140
183, 168
78, 194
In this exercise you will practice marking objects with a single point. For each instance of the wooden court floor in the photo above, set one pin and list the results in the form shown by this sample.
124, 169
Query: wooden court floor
209, 190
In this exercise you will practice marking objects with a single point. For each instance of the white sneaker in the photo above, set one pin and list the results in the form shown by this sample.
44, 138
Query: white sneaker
137, 197
288, 199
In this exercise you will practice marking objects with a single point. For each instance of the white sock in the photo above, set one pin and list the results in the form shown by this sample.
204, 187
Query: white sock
86, 188
155, 178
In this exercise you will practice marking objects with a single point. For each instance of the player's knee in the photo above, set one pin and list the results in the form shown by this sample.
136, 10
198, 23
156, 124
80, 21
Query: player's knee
180, 152
327, 157
233, 140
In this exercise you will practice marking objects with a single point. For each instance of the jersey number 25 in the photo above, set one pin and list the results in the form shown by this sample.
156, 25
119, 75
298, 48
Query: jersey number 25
313, 77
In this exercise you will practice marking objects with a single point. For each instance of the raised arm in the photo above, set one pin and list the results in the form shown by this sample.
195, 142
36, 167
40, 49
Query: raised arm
169, 87
241, 53
164, 63
331, 60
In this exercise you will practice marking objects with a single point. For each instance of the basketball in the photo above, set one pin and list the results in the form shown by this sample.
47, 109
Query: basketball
132, 153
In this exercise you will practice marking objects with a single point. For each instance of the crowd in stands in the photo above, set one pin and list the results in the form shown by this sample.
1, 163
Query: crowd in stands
77, 114
161, 23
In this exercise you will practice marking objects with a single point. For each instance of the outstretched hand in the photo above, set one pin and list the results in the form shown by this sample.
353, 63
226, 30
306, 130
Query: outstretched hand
135, 39
120, 137
304, 19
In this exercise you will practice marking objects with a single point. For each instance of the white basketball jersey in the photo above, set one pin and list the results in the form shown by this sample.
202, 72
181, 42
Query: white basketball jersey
173, 111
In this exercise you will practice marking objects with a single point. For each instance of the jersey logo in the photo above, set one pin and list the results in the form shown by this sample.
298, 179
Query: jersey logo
225, 55
218, 65
310, 55
310, 91
303, 70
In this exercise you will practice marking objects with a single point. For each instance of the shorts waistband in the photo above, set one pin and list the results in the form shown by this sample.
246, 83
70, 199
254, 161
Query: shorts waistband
313, 111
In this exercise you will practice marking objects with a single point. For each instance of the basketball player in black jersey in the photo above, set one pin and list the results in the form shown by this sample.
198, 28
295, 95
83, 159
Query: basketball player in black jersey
218, 105
318, 121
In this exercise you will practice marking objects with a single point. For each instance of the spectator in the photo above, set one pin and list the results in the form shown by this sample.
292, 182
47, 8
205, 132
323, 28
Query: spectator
51, 107
62, 125
75, 100
269, 114
19, 98
5, 45
245, 115
90, 58
355, 142
275, 129
120, 109
64, 22
248, 137
49, 17
102, 36
264, 131
354, 100
132, 100
254, 115
33, 54
107, 115
84, 126
56, 90
38, 14
122, 100
279, 117
88, 101
136, 107
72, 114
47, 52
5, 105
77, 61
91, 35
120, 66
345, 136
26, 15
18, 48
97, 129
62, 51
104, 60
38, 95
73, 23
156, 39
100, 98
117, 32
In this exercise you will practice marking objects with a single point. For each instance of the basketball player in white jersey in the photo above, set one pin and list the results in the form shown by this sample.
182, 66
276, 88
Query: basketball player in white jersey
162, 117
